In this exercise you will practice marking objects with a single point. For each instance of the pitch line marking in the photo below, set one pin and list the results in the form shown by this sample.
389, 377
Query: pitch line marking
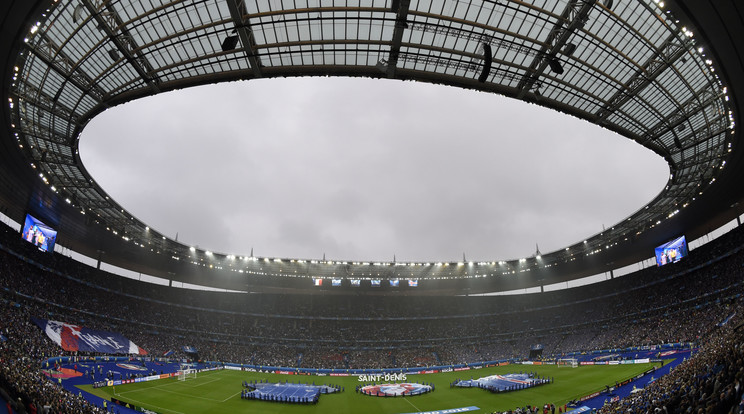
161, 408
160, 387
203, 383
190, 395
230, 397
406, 399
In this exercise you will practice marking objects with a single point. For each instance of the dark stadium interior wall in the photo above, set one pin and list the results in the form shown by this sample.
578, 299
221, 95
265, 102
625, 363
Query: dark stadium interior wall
16, 179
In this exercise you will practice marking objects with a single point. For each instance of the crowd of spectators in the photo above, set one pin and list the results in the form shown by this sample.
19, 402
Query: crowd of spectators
679, 303
680, 308
22, 384
710, 382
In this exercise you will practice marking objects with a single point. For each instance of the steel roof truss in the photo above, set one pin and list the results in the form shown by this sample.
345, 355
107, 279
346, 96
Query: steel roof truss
671, 50
239, 14
400, 8
573, 18
54, 57
110, 22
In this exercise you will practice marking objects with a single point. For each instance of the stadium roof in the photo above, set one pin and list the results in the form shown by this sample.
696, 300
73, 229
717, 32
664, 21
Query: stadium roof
664, 75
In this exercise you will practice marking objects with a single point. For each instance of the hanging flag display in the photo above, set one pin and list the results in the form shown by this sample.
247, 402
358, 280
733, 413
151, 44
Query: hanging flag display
78, 338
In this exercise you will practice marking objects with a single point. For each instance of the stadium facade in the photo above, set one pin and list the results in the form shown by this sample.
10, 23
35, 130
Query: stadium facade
666, 75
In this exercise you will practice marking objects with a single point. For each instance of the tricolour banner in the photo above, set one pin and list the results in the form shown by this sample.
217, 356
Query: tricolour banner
78, 338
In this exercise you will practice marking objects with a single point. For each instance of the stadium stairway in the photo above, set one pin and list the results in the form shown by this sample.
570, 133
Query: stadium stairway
436, 357
3, 406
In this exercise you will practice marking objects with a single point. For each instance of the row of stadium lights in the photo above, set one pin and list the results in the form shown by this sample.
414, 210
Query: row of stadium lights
261, 271
688, 33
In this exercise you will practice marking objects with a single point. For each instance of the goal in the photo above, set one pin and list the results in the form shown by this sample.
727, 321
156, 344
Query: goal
186, 373
568, 362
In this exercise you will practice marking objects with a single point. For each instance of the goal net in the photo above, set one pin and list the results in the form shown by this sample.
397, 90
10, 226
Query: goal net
186, 373
568, 362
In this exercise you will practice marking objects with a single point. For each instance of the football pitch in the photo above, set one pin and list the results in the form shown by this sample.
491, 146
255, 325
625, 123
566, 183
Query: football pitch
219, 391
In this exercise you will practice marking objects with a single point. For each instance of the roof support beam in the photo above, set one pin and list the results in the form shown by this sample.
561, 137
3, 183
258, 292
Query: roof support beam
671, 50
239, 15
695, 104
29, 94
110, 23
38, 131
573, 18
51, 54
400, 7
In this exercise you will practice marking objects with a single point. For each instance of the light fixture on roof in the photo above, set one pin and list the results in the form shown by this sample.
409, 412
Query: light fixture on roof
569, 49
677, 142
487, 62
113, 54
77, 13
229, 43
555, 65
382, 66
608, 4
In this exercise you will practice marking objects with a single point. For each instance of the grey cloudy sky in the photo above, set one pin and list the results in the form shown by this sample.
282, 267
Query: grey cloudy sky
364, 169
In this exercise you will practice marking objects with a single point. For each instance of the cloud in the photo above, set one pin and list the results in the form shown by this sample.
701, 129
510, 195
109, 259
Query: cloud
364, 169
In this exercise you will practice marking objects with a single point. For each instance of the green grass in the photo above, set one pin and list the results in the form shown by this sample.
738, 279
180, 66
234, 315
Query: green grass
219, 392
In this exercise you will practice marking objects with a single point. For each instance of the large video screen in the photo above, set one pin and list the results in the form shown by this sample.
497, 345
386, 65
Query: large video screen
39, 234
671, 252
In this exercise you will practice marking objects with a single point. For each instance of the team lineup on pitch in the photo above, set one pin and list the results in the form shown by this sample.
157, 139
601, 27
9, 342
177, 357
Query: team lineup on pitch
220, 390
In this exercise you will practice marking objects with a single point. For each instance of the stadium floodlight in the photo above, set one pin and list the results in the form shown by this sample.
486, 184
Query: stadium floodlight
555, 65
382, 66
77, 13
229, 43
569, 49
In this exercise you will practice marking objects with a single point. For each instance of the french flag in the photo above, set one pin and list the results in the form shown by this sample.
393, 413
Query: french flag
79, 338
